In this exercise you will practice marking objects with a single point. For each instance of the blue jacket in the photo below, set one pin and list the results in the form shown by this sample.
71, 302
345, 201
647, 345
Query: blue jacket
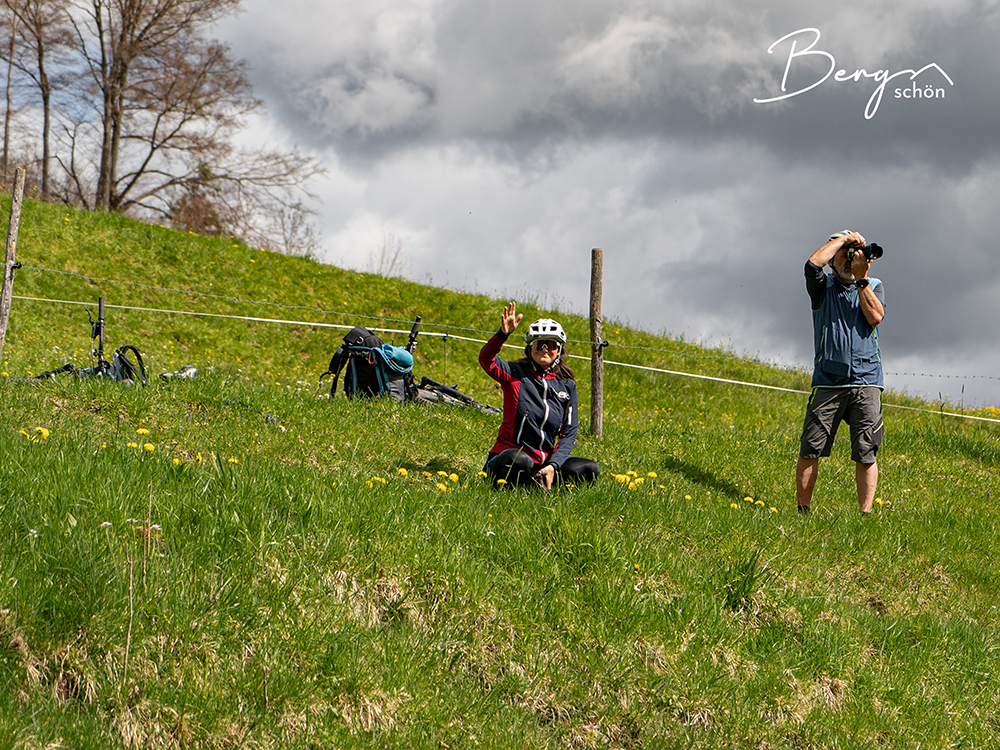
846, 344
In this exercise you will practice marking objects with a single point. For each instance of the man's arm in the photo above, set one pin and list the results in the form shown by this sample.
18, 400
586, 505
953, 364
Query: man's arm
824, 255
871, 305
815, 284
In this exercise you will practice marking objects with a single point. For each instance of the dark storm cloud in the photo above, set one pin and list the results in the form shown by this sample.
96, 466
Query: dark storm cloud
523, 74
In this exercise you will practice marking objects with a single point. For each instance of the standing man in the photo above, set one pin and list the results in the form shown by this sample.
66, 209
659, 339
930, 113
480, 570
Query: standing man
847, 382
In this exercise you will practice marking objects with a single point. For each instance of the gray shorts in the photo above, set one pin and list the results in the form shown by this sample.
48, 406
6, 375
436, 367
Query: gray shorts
860, 407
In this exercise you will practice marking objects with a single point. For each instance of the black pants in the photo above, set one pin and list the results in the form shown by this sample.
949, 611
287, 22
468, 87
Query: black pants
516, 467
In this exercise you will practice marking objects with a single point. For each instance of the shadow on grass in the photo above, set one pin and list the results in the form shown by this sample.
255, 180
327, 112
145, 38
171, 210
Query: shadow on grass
698, 475
434, 465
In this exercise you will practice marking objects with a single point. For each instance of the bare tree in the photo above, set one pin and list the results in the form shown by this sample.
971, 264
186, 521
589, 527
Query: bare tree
43, 26
252, 196
168, 104
387, 259
10, 27
148, 117
129, 48
295, 231
197, 212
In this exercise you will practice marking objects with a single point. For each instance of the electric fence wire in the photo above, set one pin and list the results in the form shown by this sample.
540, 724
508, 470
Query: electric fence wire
447, 336
238, 300
949, 377
356, 316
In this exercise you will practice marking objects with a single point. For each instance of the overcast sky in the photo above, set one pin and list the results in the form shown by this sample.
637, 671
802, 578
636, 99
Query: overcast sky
501, 140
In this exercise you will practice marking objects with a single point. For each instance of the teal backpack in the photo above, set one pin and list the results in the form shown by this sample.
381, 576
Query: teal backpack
371, 367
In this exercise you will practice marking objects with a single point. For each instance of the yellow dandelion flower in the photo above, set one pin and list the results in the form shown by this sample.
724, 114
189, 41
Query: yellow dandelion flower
441, 486
381, 480
177, 462
773, 509
442, 473
748, 499
453, 477
631, 473
640, 480
621, 478
878, 501
148, 447
234, 460
43, 432
402, 472
887, 502
734, 505
133, 445
481, 474
198, 459
501, 481
687, 497
428, 474
760, 503
142, 431
25, 433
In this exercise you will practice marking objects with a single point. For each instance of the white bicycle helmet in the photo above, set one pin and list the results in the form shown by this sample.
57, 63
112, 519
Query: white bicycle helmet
547, 329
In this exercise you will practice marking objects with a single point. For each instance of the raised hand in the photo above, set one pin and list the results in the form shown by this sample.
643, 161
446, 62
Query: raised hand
509, 318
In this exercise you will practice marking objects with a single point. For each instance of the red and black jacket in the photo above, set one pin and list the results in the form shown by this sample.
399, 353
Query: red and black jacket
539, 409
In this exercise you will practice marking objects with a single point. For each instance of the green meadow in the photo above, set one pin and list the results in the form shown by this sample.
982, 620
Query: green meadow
236, 560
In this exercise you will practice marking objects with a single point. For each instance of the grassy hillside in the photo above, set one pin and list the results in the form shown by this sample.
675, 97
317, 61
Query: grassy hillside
236, 561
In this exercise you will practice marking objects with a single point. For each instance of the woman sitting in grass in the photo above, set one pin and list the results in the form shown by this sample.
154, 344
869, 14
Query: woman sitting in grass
540, 414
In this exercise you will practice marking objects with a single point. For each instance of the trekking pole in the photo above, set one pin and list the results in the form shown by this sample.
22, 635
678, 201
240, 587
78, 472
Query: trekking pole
97, 332
100, 323
411, 343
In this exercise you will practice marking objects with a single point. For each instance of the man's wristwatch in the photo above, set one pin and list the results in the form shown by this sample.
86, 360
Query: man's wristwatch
862, 283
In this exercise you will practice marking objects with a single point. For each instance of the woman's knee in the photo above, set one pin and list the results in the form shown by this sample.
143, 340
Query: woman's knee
510, 464
580, 468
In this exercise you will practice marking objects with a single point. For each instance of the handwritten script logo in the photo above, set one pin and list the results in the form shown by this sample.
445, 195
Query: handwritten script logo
881, 77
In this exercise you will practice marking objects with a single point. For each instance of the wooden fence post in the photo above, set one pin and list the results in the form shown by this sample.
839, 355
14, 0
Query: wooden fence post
7, 289
596, 343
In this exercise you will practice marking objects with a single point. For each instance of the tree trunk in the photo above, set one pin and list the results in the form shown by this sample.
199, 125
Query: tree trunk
10, 86
46, 90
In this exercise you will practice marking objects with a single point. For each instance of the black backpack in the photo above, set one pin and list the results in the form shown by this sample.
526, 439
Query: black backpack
371, 367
